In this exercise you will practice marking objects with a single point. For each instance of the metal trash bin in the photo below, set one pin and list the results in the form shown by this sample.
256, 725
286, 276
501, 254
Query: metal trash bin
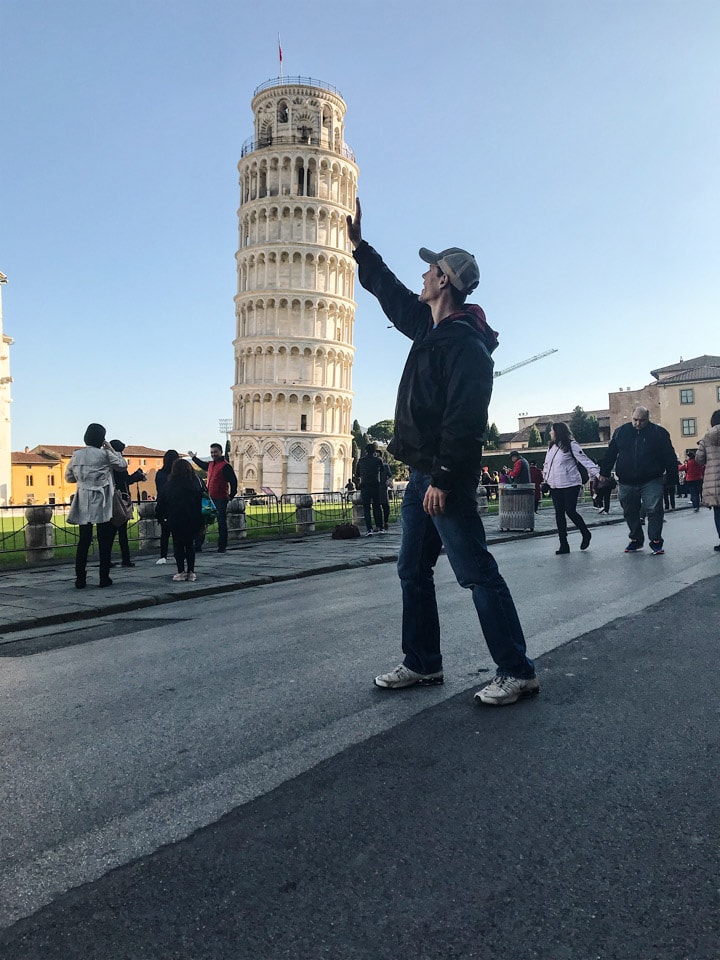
516, 506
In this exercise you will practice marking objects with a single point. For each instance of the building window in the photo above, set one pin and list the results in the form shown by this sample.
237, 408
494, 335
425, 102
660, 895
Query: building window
51, 480
687, 396
51, 499
718, 393
29, 480
303, 421
689, 427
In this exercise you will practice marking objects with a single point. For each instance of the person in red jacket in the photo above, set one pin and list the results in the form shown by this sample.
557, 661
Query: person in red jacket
694, 474
222, 486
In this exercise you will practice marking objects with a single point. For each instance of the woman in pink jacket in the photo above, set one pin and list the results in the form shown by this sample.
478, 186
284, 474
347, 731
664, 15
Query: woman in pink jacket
562, 475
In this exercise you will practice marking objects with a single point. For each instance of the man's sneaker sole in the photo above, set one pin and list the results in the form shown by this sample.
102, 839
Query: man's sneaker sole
530, 690
429, 681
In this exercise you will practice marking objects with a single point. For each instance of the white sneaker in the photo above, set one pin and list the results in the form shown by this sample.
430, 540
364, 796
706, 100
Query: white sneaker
180, 576
505, 690
160, 561
403, 676
192, 577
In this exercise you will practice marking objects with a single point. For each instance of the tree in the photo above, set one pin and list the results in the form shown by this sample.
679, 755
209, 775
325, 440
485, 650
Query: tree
535, 440
492, 436
358, 443
584, 426
382, 430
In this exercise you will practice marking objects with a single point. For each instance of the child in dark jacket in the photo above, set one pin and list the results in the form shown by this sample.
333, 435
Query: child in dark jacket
179, 503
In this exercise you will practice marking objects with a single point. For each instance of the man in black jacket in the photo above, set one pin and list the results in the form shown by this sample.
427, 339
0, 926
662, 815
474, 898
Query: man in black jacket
367, 476
641, 452
440, 419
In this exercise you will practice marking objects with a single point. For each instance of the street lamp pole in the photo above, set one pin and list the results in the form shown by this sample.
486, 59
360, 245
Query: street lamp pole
225, 426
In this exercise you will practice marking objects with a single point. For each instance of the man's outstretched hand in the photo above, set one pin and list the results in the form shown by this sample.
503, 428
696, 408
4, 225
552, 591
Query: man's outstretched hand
353, 225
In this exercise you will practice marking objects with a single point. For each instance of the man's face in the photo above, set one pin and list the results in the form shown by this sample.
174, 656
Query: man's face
432, 285
640, 419
216, 453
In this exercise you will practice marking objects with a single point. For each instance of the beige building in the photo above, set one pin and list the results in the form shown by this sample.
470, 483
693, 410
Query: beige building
294, 306
38, 475
682, 399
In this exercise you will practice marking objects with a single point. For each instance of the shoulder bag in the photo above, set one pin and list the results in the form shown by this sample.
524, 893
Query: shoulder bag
122, 508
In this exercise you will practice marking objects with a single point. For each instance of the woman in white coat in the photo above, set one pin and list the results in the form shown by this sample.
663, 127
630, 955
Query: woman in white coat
92, 469
561, 473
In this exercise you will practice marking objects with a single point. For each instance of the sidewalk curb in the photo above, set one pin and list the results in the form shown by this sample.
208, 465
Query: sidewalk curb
111, 608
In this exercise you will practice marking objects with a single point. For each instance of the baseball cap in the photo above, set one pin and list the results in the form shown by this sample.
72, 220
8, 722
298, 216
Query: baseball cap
459, 266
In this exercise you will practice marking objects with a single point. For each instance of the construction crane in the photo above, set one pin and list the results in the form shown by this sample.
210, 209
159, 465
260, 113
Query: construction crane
538, 356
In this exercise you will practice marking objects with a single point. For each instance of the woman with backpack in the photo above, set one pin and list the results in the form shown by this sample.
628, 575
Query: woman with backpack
565, 470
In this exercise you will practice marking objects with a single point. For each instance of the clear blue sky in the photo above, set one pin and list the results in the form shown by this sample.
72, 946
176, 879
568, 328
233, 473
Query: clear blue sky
573, 146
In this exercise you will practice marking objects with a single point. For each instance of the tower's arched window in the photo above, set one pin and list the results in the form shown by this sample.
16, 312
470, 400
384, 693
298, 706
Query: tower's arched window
282, 112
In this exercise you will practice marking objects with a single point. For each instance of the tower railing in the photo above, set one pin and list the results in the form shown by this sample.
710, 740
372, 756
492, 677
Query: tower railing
297, 81
251, 145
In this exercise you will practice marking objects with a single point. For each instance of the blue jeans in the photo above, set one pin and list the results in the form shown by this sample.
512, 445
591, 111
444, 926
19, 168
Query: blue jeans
650, 496
460, 530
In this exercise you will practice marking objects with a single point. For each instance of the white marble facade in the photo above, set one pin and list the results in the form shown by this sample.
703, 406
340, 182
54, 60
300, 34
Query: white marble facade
294, 305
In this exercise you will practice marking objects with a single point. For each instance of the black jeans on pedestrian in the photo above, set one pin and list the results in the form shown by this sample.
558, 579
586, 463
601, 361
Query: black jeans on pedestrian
565, 502
221, 507
184, 551
123, 542
105, 537
370, 493
164, 538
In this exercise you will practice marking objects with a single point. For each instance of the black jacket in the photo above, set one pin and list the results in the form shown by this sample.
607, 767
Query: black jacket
180, 506
442, 402
640, 455
368, 470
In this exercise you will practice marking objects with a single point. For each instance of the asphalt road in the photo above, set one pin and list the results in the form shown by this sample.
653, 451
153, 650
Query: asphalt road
223, 781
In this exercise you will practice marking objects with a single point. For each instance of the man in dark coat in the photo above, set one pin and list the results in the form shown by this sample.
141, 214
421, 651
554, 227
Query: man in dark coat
440, 419
643, 455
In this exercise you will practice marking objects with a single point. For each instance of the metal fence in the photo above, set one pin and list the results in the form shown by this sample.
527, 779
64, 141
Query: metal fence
36, 532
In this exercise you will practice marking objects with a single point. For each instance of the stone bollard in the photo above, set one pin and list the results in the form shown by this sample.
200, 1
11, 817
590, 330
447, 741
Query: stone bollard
358, 513
236, 520
148, 528
304, 514
39, 534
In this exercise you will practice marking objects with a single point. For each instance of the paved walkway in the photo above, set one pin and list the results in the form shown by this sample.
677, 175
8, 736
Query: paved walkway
43, 595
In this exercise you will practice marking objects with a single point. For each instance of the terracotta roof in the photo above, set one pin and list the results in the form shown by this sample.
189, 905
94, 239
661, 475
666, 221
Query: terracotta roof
31, 458
63, 450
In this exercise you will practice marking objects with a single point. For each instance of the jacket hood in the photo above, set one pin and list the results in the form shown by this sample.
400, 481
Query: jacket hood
474, 313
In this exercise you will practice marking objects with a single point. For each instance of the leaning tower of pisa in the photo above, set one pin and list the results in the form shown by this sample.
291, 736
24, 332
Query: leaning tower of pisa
294, 306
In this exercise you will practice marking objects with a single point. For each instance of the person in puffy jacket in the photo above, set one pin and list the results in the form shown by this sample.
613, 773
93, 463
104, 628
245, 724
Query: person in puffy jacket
440, 419
708, 456
643, 455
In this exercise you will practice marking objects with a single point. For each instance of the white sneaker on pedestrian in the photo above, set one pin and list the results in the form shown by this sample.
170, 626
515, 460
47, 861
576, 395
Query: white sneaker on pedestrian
403, 676
180, 576
160, 561
506, 690
192, 577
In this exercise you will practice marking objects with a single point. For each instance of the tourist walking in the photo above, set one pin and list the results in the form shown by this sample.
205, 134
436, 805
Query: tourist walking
643, 455
562, 474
